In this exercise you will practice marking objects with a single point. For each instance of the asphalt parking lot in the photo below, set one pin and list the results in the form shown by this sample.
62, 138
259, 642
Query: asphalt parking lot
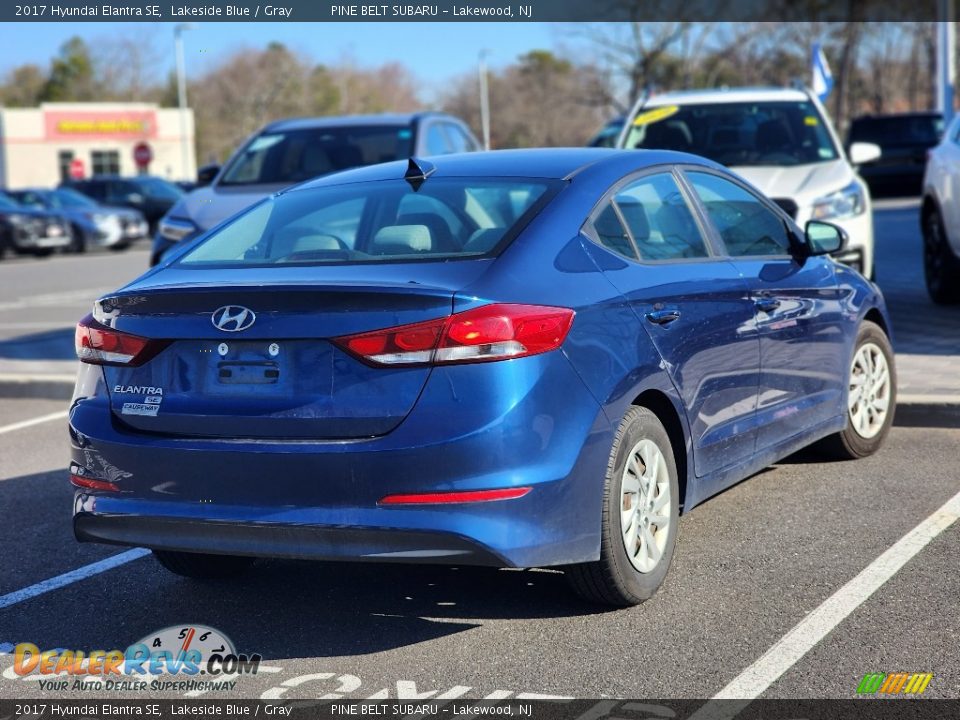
751, 565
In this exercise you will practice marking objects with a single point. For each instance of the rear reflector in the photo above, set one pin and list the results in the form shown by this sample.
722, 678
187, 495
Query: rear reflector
469, 496
91, 484
100, 345
483, 334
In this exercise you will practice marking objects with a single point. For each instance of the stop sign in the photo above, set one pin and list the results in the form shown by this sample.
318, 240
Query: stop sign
77, 171
142, 154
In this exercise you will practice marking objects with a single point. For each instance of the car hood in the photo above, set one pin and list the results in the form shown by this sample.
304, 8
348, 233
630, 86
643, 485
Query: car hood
801, 183
209, 206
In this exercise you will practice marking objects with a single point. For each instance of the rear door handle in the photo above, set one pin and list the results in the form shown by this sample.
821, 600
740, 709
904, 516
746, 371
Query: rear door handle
767, 304
663, 317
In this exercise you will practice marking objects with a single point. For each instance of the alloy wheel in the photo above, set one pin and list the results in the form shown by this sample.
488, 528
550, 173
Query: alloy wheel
645, 505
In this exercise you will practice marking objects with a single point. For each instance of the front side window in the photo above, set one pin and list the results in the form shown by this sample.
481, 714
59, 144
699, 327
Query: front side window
445, 218
745, 224
738, 134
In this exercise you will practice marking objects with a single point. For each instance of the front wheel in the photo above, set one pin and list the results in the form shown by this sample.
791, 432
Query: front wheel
640, 516
871, 396
201, 566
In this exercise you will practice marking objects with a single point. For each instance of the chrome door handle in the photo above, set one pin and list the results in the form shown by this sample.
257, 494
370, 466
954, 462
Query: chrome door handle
767, 304
663, 317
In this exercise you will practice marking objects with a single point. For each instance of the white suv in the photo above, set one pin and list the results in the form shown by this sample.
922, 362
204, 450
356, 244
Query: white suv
778, 139
940, 218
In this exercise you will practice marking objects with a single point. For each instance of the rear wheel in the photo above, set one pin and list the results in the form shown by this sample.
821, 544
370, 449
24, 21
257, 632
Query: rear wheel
941, 268
201, 566
640, 516
871, 396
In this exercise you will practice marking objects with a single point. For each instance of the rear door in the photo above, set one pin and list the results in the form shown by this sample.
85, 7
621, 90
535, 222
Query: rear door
693, 305
803, 352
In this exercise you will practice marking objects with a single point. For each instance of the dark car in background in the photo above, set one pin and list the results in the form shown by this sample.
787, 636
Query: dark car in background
25, 230
905, 139
91, 225
151, 196
288, 152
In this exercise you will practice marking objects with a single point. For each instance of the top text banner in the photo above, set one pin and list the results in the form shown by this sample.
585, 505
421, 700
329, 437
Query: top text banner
474, 11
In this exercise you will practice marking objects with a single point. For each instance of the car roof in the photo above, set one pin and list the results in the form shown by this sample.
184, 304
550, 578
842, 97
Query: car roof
389, 119
555, 163
727, 95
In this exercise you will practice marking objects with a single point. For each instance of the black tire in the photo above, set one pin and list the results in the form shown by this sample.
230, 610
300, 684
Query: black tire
850, 444
201, 566
77, 242
613, 579
941, 268
43, 252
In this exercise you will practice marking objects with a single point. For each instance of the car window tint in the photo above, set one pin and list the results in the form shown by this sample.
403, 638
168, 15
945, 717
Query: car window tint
436, 140
659, 219
611, 233
459, 142
746, 225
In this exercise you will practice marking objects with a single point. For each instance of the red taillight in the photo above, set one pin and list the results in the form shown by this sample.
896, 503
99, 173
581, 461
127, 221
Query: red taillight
467, 496
490, 332
91, 484
100, 345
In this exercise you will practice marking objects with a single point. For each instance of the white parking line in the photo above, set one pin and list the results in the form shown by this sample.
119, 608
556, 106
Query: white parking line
753, 681
59, 415
68, 578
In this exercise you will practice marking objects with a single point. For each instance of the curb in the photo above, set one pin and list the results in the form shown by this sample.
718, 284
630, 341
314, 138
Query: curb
37, 387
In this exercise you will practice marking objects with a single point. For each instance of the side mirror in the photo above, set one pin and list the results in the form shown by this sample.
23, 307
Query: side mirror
824, 238
863, 152
206, 174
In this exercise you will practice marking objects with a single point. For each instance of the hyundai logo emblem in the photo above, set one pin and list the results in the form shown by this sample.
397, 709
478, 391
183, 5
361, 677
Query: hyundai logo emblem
233, 318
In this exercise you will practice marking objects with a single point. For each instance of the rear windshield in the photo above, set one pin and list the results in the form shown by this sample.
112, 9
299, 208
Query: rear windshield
908, 130
293, 156
743, 133
446, 218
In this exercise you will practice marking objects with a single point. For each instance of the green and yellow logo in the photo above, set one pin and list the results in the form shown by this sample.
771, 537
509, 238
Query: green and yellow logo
894, 683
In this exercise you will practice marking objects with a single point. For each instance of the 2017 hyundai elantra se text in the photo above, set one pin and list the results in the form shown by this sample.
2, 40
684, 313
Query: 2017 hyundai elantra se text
518, 358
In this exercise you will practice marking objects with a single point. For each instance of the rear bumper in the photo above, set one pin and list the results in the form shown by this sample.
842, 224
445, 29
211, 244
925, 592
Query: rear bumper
521, 423
284, 541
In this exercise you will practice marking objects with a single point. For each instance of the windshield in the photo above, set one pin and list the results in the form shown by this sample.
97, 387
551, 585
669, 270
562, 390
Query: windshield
736, 134
159, 188
375, 221
7, 203
71, 199
293, 156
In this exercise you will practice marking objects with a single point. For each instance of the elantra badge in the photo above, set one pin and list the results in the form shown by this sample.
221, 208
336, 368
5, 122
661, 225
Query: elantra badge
233, 318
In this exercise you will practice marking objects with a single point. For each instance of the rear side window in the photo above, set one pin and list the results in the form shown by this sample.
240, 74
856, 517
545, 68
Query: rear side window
746, 225
446, 218
650, 216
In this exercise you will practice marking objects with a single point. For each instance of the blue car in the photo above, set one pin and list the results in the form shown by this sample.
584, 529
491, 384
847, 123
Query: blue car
518, 358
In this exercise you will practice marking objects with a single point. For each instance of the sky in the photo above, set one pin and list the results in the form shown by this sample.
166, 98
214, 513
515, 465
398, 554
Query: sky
434, 52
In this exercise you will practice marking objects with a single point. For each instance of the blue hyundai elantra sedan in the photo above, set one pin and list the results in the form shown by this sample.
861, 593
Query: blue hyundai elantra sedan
518, 358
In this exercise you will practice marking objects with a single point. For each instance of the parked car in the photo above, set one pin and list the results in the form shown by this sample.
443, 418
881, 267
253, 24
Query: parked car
608, 134
904, 139
288, 152
150, 196
91, 225
781, 141
518, 358
940, 218
26, 230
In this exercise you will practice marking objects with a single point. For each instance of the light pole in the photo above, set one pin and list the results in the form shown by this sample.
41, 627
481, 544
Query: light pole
178, 31
946, 48
484, 99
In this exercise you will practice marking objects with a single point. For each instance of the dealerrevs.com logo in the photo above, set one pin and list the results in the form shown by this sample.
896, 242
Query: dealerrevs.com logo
901, 683
172, 659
